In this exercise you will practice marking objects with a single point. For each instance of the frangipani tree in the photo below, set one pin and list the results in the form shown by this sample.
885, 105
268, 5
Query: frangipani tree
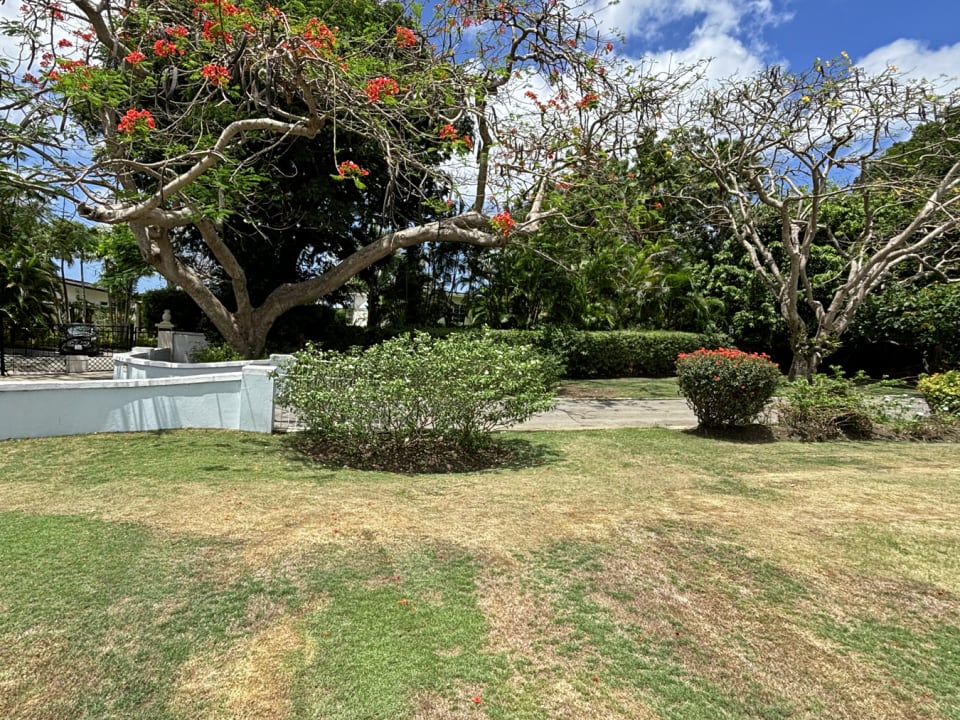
795, 145
180, 98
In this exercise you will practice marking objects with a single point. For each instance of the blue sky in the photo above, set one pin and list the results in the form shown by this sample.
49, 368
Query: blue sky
921, 37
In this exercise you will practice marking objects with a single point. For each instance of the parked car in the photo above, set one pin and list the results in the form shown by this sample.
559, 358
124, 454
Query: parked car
80, 339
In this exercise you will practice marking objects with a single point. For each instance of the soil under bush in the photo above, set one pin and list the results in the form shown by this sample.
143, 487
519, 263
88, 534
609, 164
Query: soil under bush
423, 455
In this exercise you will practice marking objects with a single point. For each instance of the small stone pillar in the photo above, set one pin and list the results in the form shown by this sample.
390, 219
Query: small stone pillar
165, 332
77, 363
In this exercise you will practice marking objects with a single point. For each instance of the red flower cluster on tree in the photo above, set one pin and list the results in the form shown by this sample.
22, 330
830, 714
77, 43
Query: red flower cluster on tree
381, 87
135, 58
405, 38
588, 101
216, 74
503, 223
319, 36
213, 31
449, 133
165, 48
348, 168
135, 120
216, 7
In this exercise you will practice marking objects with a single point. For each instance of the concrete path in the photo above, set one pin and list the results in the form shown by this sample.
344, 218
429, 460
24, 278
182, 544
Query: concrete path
600, 414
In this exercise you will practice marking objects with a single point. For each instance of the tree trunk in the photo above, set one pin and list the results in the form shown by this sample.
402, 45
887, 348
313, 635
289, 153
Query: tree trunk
805, 363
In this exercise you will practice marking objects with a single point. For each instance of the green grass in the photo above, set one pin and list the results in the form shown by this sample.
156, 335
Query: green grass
622, 388
633, 574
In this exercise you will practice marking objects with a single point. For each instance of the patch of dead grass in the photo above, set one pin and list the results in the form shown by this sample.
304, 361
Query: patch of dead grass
720, 631
458, 705
521, 626
251, 680
35, 681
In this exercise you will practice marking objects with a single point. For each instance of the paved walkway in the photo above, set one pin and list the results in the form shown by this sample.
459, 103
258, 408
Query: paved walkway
600, 414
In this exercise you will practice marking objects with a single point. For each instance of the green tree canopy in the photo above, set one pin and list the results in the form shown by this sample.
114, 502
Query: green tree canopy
194, 109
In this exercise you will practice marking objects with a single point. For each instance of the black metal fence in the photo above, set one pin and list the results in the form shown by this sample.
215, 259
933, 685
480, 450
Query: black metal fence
37, 351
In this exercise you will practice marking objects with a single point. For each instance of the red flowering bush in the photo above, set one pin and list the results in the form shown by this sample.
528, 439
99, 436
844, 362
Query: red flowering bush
726, 387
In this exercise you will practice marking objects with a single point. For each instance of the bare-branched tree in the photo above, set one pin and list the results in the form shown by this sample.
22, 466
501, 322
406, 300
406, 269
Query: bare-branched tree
789, 146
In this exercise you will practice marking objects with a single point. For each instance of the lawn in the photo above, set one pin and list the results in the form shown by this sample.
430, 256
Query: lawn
624, 574
622, 388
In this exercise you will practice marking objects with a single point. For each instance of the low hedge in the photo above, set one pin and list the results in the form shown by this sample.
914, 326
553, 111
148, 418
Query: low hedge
613, 353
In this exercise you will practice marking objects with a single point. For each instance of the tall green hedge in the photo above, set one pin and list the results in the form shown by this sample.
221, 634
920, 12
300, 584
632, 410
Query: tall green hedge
614, 353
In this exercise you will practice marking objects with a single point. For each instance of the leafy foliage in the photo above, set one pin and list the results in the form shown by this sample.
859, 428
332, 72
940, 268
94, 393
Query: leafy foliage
608, 260
611, 353
826, 408
414, 388
726, 387
941, 391
27, 276
925, 318
220, 352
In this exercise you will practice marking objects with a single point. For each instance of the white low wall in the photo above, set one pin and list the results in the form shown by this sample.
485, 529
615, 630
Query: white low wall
238, 400
139, 365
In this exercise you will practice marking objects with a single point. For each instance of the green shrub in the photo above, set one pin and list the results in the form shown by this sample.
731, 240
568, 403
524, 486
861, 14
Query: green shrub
219, 352
612, 353
726, 387
414, 387
941, 391
828, 408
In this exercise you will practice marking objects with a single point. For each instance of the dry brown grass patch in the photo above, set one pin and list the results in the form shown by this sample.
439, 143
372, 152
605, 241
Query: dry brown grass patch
458, 705
719, 629
35, 681
251, 681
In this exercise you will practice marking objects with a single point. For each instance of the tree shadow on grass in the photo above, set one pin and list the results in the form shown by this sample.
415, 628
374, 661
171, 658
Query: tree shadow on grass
421, 455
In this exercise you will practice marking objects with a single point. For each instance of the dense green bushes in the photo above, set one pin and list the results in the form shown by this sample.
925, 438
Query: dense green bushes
941, 391
414, 388
614, 353
726, 387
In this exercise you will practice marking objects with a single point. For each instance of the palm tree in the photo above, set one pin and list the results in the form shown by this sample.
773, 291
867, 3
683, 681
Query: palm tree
27, 278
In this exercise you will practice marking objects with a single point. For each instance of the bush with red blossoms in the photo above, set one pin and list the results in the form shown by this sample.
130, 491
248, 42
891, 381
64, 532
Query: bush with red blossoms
726, 387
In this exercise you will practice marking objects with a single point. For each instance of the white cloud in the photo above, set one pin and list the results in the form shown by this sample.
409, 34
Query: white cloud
728, 34
647, 19
726, 57
916, 60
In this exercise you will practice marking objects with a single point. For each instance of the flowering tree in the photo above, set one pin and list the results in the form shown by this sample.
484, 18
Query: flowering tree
181, 99
791, 147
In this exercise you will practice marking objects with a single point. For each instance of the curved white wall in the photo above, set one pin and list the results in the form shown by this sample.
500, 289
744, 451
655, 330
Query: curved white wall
238, 400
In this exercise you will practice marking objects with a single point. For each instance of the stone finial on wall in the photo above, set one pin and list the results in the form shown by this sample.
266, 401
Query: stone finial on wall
165, 331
